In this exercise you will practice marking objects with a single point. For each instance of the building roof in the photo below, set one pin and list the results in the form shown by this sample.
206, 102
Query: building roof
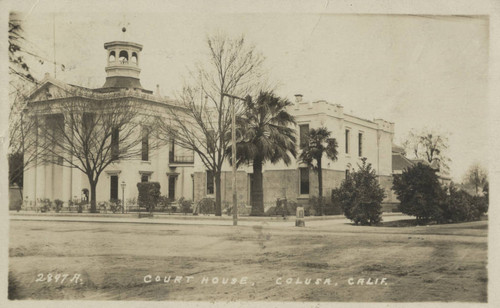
397, 149
399, 162
122, 82
69, 90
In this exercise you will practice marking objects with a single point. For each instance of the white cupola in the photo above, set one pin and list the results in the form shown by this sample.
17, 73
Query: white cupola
122, 67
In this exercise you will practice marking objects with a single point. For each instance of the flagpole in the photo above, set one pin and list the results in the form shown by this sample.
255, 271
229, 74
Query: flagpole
54, 40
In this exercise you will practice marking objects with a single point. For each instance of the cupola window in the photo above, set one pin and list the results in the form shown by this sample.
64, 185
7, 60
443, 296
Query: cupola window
112, 56
134, 58
123, 57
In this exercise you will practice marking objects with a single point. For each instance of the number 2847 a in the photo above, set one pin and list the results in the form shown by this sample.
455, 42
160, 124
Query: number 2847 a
59, 278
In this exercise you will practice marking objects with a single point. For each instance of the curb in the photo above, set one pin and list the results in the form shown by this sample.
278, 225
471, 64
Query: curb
172, 217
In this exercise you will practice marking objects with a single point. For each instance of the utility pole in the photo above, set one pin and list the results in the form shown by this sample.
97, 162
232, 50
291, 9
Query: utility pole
233, 152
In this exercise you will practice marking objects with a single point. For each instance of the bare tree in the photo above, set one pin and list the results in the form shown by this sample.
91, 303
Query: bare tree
22, 141
476, 176
17, 64
429, 146
201, 121
89, 135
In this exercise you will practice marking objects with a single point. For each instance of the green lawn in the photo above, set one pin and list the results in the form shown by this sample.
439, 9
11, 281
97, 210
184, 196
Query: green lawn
434, 263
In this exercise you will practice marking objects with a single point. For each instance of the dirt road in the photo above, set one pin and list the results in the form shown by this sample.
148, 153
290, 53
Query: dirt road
326, 261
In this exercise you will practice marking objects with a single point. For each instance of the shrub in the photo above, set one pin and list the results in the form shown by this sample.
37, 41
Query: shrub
461, 206
206, 206
149, 195
46, 205
58, 205
480, 204
329, 207
309, 210
114, 205
316, 203
164, 203
186, 205
80, 206
283, 207
291, 207
420, 193
360, 196
131, 201
332, 208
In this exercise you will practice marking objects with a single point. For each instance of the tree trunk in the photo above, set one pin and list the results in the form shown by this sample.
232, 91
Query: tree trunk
257, 190
93, 204
320, 187
218, 201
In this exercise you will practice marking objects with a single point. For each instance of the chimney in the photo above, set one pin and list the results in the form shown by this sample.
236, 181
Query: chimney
298, 98
158, 90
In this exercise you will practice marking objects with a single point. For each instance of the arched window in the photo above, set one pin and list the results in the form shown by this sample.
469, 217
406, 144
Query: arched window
112, 56
134, 58
123, 57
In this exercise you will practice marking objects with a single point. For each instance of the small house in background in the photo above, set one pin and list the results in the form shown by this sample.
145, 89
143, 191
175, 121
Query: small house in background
399, 163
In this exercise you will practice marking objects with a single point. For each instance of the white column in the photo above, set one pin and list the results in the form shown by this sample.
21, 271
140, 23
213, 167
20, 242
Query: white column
67, 176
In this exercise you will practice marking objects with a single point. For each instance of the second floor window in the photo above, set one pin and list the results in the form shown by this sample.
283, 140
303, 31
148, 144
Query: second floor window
210, 183
360, 144
115, 143
347, 133
88, 122
145, 144
211, 141
171, 153
303, 135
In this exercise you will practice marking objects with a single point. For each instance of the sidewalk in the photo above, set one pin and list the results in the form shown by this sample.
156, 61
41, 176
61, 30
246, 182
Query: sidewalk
161, 218
157, 219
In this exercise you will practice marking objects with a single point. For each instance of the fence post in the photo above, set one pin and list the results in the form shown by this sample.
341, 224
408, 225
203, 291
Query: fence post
299, 220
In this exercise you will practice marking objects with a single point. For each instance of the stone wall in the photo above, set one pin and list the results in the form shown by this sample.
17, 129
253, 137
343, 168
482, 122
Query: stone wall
276, 184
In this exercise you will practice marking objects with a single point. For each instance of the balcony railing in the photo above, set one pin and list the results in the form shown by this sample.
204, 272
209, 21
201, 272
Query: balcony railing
181, 159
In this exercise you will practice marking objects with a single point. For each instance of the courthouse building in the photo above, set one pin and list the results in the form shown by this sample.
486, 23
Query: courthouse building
180, 172
170, 166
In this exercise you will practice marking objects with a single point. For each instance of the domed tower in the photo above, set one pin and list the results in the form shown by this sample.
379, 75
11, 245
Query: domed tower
123, 65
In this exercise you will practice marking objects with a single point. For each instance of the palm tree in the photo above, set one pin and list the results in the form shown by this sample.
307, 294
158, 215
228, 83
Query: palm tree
319, 142
266, 135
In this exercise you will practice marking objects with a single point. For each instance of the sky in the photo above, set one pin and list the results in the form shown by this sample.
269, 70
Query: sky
418, 71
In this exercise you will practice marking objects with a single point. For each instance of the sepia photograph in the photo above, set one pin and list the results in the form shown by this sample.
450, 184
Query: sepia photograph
215, 152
